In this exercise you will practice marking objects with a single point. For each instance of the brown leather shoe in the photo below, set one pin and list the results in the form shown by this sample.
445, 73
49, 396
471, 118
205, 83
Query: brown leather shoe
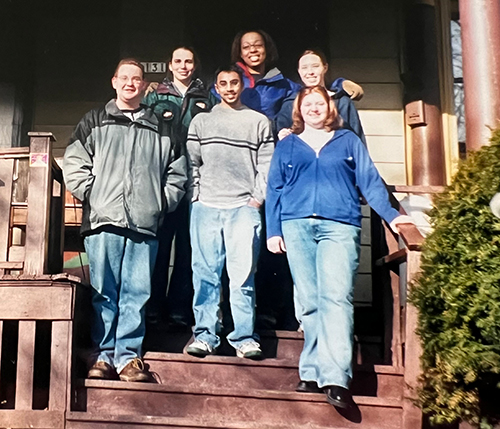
103, 371
137, 371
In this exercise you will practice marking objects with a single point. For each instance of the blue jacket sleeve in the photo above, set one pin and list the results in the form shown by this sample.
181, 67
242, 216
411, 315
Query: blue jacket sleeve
275, 183
337, 86
350, 116
284, 118
370, 183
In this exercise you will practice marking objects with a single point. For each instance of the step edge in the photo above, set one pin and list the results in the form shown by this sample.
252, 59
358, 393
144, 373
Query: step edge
250, 393
270, 362
85, 416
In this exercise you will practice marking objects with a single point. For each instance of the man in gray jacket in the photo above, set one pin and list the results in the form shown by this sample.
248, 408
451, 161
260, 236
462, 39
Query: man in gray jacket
126, 171
230, 150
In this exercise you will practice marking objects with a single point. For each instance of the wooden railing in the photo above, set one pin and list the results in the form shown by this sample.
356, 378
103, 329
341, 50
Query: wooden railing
403, 261
36, 300
31, 241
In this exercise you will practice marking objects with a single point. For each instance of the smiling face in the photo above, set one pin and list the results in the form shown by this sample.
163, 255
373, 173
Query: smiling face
314, 110
312, 70
182, 65
229, 87
253, 52
129, 85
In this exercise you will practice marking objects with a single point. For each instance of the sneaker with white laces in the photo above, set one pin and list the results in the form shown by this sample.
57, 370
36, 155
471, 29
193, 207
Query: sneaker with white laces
200, 348
249, 350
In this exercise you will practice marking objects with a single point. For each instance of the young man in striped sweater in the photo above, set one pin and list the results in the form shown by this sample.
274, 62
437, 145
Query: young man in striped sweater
230, 149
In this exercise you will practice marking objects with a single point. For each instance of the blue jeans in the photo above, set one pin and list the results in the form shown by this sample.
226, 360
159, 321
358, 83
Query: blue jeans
219, 236
324, 257
121, 264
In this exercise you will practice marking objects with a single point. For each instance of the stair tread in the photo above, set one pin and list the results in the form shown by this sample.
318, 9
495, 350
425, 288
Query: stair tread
83, 416
248, 393
270, 362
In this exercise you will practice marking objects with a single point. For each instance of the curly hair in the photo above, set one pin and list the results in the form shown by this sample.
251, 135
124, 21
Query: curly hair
271, 49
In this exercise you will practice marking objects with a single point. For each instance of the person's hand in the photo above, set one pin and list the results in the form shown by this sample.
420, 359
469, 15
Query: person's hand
354, 90
284, 132
151, 87
276, 244
252, 202
401, 220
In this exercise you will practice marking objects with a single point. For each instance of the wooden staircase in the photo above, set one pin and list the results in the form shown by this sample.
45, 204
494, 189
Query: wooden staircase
44, 333
228, 392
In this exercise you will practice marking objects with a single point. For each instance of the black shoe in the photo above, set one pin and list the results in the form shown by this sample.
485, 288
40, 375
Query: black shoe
339, 397
308, 387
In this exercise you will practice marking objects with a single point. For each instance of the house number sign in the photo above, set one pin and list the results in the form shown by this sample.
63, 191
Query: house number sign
150, 67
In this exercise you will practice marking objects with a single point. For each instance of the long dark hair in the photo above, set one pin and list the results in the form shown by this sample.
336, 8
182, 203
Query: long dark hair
270, 46
333, 119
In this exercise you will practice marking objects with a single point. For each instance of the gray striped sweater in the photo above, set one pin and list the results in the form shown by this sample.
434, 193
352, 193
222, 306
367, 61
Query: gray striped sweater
230, 152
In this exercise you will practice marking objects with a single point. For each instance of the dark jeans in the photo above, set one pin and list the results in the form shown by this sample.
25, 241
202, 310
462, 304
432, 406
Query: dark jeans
176, 304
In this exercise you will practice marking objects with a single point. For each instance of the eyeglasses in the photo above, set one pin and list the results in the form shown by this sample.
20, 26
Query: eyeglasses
135, 80
247, 47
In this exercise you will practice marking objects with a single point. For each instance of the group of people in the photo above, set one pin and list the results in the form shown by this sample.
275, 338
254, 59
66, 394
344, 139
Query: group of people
199, 164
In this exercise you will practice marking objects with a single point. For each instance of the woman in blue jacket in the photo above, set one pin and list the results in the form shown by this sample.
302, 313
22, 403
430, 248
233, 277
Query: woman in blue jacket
313, 69
255, 53
314, 215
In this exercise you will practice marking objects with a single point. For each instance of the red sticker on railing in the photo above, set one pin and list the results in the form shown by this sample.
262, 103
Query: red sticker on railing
39, 159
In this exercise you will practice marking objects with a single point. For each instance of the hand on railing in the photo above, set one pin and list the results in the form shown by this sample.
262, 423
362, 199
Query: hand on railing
411, 236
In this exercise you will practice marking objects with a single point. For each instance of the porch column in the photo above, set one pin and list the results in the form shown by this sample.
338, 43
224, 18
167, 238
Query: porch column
480, 22
422, 95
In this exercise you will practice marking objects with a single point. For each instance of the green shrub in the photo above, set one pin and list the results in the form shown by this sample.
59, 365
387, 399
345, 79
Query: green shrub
458, 297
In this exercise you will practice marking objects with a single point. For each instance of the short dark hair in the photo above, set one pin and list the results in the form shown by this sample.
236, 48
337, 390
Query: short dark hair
271, 49
228, 69
186, 48
196, 61
333, 120
131, 61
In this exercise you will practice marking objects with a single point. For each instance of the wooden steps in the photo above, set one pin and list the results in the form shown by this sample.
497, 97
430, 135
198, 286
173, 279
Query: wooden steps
270, 374
223, 407
224, 391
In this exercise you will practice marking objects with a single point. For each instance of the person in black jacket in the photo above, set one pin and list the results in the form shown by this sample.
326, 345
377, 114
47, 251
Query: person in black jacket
178, 99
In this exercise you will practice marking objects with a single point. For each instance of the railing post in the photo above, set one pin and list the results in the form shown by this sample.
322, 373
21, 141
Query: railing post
39, 199
412, 415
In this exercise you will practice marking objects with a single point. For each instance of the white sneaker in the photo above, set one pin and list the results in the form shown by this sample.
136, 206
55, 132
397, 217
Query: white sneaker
249, 350
200, 348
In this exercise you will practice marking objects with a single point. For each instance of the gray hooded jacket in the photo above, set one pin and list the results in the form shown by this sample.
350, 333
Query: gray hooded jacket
126, 172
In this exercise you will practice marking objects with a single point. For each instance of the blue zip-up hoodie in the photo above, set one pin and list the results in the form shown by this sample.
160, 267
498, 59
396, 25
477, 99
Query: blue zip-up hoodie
304, 184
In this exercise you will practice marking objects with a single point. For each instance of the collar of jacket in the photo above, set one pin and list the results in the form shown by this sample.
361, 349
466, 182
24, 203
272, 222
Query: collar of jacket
271, 76
167, 87
148, 119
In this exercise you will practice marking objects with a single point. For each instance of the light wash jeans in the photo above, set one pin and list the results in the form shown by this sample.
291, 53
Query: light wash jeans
324, 257
219, 236
120, 272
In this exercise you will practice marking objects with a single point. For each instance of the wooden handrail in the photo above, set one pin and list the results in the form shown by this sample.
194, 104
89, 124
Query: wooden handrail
411, 236
420, 189
14, 152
